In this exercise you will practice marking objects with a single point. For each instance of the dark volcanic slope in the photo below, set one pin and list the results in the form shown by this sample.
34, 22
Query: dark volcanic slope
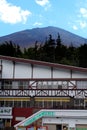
28, 37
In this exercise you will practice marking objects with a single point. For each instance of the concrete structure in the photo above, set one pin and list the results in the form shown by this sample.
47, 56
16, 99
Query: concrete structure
27, 86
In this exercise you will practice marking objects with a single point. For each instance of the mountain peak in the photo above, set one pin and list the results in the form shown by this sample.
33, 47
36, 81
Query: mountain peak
25, 38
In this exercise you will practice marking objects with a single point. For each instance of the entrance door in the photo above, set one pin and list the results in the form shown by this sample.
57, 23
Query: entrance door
59, 127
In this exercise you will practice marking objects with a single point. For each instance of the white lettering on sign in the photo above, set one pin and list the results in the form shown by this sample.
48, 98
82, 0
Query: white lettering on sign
5, 111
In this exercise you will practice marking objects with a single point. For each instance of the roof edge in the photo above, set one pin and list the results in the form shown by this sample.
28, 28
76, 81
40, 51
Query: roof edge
49, 64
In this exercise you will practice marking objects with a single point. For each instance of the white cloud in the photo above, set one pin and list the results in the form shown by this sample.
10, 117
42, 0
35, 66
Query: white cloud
37, 24
83, 12
83, 24
75, 27
12, 14
43, 3
80, 20
83, 17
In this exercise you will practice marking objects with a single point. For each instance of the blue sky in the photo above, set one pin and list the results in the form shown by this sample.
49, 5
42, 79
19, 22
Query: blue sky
17, 15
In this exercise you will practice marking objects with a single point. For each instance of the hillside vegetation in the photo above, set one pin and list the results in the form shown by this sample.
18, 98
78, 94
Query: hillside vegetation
51, 51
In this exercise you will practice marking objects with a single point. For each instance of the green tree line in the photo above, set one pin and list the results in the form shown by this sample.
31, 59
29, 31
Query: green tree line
51, 51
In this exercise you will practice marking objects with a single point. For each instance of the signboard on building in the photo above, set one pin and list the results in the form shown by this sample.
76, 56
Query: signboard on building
5, 111
38, 116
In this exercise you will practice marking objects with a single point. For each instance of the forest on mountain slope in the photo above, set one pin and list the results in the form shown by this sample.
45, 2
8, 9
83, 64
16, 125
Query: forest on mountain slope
51, 51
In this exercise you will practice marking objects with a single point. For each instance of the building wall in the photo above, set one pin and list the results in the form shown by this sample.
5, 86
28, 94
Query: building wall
81, 127
41, 72
21, 113
51, 127
22, 70
61, 73
72, 122
7, 69
26, 70
79, 75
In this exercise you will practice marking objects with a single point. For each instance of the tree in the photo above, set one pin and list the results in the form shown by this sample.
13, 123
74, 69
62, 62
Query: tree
8, 48
58, 40
60, 50
49, 49
82, 54
72, 55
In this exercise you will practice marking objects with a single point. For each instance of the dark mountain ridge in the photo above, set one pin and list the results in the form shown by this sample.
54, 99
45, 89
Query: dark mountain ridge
28, 37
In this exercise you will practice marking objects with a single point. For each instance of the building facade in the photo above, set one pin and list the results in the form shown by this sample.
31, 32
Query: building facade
27, 86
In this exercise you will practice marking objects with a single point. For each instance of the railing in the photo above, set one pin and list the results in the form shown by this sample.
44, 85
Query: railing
77, 93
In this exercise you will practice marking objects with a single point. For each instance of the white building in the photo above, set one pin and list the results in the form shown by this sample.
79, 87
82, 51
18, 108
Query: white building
27, 86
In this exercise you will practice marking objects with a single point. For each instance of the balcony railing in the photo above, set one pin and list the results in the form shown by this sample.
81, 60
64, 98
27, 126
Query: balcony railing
76, 93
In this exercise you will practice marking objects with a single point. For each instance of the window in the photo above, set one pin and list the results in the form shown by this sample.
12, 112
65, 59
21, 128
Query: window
79, 102
23, 84
7, 84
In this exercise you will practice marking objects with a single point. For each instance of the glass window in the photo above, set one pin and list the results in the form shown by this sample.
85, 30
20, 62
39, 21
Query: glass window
28, 103
14, 85
23, 84
17, 103
9, 103
7, 84
82, 84
79, 102
24, 104
1, 103
0, 85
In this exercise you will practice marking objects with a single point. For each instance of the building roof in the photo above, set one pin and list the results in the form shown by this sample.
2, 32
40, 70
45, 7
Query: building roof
35, 62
